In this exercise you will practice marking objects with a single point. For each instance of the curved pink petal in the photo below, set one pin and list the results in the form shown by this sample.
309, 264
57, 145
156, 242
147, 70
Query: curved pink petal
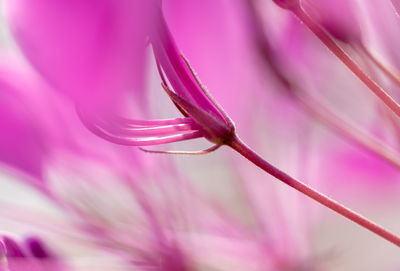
211, 34
159, 122
93, 50
39, 129
21, 144
143, 136
178, 72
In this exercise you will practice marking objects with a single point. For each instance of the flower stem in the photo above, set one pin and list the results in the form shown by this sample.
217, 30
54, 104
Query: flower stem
346, 59
239, 146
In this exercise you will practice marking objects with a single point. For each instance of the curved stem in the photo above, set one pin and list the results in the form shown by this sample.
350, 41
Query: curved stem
253, 157
346, 59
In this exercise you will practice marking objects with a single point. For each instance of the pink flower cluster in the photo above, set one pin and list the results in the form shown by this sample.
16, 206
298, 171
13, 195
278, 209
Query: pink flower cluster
311, 85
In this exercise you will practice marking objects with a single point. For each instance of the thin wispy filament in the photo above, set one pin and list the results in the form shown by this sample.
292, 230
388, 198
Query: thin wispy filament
346, 59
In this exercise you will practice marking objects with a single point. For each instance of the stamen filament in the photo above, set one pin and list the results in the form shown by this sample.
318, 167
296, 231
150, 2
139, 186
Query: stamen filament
346, 59
315, 108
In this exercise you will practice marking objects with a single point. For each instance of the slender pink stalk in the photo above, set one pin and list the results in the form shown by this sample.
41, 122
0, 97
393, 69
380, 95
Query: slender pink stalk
346, 59
253, 157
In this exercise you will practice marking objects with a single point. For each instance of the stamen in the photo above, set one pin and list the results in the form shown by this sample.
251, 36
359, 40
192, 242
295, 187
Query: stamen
322, 113
326, 39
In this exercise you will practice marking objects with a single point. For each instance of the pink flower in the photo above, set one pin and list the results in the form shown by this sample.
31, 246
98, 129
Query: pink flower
90, 66
204, 117
100, 89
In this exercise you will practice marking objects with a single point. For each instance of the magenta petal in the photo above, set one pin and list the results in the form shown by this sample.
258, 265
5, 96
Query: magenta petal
93, 50
20, 143
155, 131
160, 122
212, 36
124, 133
178, 72
143, 141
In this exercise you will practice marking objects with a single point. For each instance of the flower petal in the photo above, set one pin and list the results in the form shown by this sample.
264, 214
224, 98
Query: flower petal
21, 145
144, 136
93, 50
